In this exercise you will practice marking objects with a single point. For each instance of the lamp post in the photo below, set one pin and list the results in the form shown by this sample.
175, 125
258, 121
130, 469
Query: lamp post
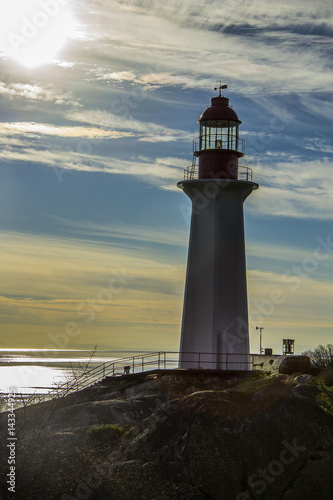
260, 328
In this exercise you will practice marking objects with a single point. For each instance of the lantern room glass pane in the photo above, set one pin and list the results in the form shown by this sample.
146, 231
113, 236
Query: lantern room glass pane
216, 134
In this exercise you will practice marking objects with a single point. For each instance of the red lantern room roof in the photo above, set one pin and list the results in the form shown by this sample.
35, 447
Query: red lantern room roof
219, 110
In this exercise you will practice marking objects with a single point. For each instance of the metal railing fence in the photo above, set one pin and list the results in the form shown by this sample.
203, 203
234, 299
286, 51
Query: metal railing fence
162, 360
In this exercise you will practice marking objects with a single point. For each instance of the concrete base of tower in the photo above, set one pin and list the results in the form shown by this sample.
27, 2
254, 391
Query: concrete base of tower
208, 361
215, 315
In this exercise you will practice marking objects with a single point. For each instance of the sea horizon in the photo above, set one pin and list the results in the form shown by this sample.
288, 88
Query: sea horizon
37, 371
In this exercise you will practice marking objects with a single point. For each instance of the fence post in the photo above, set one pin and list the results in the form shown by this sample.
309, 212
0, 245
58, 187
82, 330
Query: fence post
133, 364
159, 360
164, 360
199, 359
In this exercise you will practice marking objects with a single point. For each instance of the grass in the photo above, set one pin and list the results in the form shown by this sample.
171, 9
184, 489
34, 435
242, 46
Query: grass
106, 433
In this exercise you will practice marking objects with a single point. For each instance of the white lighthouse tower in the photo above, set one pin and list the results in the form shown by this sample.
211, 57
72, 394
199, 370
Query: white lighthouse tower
215, 315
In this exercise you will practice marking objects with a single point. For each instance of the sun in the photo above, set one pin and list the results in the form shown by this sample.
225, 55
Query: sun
34, 31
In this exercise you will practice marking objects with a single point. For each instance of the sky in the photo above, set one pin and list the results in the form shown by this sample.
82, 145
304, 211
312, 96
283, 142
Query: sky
99, 104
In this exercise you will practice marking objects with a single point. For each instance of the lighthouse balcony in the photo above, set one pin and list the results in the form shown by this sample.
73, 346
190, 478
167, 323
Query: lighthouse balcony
191, 173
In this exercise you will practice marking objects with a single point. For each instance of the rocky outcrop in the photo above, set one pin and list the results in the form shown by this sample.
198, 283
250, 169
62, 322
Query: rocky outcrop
190, 436
291, 364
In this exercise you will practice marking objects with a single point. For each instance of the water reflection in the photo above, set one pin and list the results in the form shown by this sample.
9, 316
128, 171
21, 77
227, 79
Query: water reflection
32, 379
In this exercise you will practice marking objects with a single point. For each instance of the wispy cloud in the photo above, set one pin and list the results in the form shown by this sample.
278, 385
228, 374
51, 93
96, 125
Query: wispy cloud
130, 232
304, 312
298, 188
147, 131
59, 131
160, 171
175, 35
36, 92
47, 282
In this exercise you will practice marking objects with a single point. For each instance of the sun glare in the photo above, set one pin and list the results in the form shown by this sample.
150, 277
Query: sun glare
34, 31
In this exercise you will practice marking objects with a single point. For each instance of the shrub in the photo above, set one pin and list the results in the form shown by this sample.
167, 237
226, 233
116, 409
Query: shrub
321, 357
325, 397
105, 433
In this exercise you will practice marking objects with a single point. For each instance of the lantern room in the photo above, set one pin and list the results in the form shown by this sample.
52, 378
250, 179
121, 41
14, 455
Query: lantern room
219, 145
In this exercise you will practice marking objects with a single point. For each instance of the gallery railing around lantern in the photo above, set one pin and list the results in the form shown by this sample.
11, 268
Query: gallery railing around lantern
191, 173
219, 141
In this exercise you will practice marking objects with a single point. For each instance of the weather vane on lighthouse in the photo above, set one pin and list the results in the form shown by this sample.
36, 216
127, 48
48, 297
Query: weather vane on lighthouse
215, 313
221, 87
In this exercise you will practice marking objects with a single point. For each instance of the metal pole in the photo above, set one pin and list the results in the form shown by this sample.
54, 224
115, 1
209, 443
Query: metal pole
260, 328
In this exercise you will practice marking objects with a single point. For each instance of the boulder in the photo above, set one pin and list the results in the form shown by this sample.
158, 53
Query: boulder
291, 364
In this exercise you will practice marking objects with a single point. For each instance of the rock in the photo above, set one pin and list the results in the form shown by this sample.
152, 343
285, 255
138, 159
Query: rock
263, 438
314, 479
303, 379
112, 395
122, 412
291, 364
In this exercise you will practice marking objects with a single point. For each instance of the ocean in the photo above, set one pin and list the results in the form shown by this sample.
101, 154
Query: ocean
37, 371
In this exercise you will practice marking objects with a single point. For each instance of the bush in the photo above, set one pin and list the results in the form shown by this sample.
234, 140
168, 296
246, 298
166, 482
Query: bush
325, 398
107, 432
328, 376
321, 357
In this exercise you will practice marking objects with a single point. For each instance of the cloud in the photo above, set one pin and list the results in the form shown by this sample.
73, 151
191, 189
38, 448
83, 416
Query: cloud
59, 131
175, 37
298, 188
148, 80
48, 282
175, 44
147, 131
134, 233
319, 143
298, 308
35, 92
160, 171
305, 299
112, 76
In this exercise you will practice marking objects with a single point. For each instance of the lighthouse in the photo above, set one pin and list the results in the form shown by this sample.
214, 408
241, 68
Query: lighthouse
215, 314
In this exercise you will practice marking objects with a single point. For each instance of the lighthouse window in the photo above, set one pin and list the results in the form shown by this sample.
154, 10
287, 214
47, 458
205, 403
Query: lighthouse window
216, 134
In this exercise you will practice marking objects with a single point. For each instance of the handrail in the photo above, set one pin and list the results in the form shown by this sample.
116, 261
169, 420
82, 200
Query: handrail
160, 360
220, 141
191, 173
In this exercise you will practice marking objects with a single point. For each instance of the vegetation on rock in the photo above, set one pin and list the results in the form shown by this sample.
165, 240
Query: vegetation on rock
325, 397
105, 433
321, 357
